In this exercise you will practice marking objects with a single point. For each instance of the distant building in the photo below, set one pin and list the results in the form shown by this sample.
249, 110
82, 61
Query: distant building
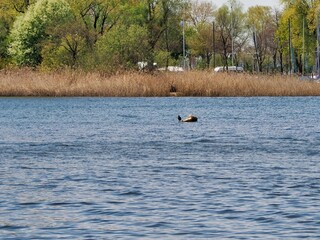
230, 69
172, 69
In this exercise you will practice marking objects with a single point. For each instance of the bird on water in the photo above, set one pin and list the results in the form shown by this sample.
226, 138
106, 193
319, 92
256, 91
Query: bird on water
190, 118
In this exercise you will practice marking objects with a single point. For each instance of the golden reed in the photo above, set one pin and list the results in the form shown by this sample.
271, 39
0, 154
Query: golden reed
25, 82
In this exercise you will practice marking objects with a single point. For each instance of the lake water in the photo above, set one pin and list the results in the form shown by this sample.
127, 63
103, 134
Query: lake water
125, 168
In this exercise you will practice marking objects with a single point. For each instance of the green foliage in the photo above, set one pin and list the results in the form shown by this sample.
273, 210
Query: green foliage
116, 34
66, 47
122, 47
156, 18
7, 16
29, 30
259, 17
229, 22
302, 18
262, 27
4, 29
164, 59
99, 16
200, 42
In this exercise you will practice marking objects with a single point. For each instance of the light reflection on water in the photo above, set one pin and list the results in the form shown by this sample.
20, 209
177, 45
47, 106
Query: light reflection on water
124, 168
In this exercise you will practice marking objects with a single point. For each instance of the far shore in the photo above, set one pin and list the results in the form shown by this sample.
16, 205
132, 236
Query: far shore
29, 83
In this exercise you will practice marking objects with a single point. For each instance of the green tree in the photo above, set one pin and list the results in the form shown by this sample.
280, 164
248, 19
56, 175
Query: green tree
4, 32
9, 10
14, 7
230, 24
99, 16
155, 18
169, 48
121, 48
262, 27
297, 33
200, 42
200, 39
65, 46
29, 30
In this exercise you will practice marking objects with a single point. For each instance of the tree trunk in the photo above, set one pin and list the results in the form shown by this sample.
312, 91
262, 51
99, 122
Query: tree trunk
281, 62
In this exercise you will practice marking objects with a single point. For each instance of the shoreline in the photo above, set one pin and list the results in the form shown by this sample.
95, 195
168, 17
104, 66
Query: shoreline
29, 83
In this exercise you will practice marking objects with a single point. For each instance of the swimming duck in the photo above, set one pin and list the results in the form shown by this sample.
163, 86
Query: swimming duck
190, 118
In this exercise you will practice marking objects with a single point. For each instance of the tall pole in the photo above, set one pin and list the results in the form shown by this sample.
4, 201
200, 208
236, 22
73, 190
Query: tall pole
232, 45
318, 48
184, 45
214, 44
256, 50
289, 55
303, 45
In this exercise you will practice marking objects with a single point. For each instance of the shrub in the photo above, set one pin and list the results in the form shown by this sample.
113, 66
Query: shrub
30, 29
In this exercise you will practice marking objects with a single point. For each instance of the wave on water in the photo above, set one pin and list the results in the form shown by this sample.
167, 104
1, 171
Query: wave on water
102, 168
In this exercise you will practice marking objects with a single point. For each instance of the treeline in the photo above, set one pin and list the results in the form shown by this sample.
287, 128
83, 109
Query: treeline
114, 35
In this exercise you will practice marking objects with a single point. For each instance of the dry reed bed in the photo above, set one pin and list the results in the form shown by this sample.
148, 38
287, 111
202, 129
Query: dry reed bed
195, 83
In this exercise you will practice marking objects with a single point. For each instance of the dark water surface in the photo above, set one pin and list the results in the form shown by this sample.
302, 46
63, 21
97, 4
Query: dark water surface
124, 168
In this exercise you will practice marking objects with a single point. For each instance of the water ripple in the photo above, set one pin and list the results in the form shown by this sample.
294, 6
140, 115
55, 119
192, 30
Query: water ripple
106, 169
